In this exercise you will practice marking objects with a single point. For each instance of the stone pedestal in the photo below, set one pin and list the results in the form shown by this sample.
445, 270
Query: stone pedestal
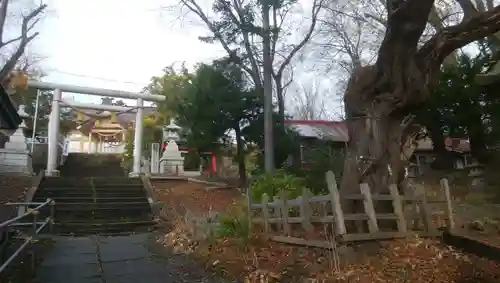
172, 162
476, 172
15, 157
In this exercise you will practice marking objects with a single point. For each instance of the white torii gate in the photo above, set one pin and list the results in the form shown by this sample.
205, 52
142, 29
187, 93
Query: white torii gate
55, 114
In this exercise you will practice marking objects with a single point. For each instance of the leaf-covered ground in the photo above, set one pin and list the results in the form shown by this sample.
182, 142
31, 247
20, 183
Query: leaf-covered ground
12, 188
411, 260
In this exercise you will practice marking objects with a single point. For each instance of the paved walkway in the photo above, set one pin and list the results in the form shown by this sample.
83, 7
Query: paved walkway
121, 259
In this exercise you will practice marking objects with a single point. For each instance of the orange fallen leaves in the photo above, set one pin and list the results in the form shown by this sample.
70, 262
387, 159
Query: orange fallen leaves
413, 260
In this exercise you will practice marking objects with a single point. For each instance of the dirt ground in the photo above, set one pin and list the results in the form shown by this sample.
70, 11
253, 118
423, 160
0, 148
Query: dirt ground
476, 213
12, 188
258, 260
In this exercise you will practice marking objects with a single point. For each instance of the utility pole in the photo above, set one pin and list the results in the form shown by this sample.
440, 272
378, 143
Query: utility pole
268, 90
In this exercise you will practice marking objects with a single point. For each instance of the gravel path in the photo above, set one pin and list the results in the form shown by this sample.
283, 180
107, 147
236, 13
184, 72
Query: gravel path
119, 259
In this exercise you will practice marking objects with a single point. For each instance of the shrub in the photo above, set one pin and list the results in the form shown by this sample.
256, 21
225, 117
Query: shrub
272, 185
235, 222
320, 160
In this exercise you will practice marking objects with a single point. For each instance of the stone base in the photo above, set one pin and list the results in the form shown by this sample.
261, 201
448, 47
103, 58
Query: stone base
54, 173
15, 161
134, 174
477, 183
169, 169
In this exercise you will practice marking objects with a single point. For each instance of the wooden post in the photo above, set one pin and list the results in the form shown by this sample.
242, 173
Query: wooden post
369, 209
306, 211
398, 208
338, 214
284, 213
249, 199
277, 212
424, 211
449, 211
265, 212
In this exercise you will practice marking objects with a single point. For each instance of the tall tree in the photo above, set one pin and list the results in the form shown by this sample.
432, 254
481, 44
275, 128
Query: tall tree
236, 27
379, 98
458, 106
170, 84
215, 102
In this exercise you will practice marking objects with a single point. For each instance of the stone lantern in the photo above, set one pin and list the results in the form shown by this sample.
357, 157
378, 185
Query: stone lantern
171, 132
171, 161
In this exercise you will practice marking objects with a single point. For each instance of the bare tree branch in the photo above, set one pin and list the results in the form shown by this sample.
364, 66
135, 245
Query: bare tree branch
25, 39
309, 101
451, 38
193, 6
4, 4
316, 8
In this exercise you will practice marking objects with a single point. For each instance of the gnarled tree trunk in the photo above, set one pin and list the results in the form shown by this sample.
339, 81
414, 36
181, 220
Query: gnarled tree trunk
379, 98
381, 141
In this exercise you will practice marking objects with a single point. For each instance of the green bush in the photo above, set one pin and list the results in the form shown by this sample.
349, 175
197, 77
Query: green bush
320, 160
234, 222
274, 185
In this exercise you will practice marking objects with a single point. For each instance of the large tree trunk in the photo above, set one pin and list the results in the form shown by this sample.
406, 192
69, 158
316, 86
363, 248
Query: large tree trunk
374, 156
379, 98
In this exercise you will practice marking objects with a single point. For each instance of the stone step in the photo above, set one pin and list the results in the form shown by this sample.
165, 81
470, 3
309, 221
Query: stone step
88, 182
74, 206
71, 199
66, 190
55, 195
102, 216
107, 229
120, 188
117, 180
94, 197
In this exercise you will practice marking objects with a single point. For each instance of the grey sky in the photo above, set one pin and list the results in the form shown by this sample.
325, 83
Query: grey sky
125, 42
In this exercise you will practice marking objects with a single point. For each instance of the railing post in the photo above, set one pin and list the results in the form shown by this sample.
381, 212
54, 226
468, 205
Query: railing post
265, 212
338, 214
306, 211
35, 220
369, 209
52, 215
450, 223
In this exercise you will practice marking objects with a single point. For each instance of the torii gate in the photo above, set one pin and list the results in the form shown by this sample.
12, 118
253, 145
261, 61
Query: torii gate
55, 114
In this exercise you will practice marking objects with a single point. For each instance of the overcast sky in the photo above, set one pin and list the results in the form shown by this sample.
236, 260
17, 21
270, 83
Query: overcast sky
121, 44
115, 44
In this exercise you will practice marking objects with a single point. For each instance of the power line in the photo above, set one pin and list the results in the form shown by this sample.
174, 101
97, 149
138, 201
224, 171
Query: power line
97, 78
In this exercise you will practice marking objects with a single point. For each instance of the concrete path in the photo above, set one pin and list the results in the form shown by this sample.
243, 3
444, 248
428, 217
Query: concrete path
121, 259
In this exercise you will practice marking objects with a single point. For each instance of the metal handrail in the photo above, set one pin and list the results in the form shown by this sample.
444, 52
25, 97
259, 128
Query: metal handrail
36, 230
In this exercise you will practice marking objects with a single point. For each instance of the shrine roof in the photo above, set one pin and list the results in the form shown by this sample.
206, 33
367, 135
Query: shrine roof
337, 131
123, 118
320, 129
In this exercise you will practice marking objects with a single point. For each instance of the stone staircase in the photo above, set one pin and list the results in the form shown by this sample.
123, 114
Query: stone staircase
92, 165
93, 197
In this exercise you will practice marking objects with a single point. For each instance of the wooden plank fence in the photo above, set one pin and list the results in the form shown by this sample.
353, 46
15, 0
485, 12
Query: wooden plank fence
410, 213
